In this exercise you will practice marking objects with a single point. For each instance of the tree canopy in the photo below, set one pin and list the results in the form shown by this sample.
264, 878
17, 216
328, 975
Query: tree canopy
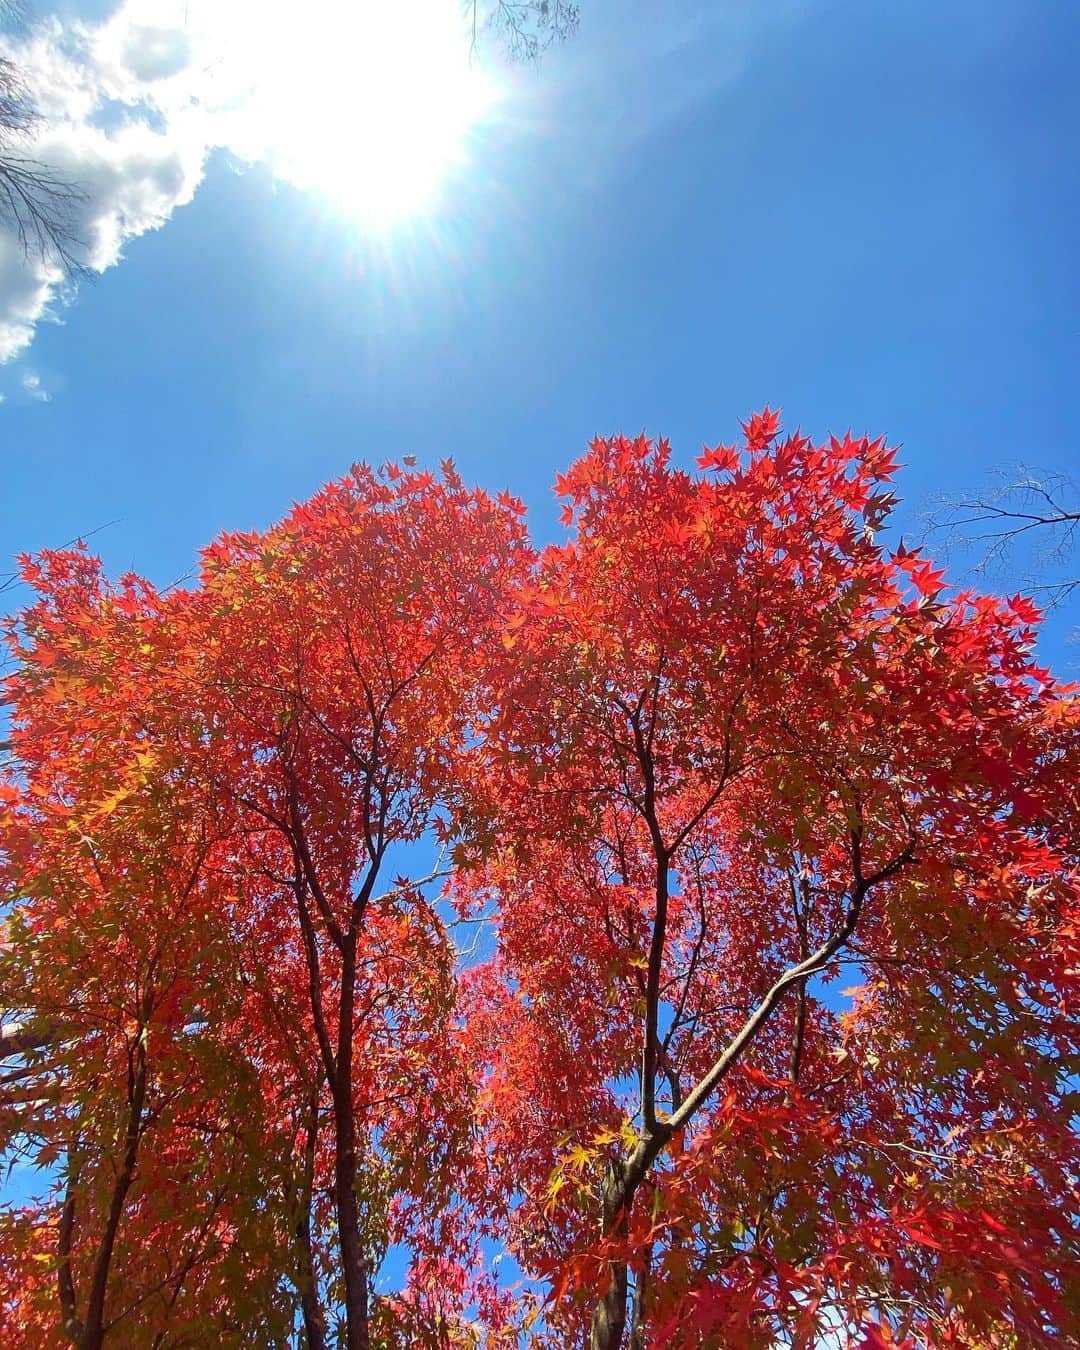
731, 1005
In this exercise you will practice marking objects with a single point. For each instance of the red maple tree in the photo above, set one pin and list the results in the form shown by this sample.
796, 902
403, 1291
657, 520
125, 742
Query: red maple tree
769, 841
130, 1084
740, 750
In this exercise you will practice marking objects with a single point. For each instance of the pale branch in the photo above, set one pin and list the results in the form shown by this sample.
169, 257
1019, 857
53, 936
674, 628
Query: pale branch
406, 887
466, 953
26, 1037
813, 964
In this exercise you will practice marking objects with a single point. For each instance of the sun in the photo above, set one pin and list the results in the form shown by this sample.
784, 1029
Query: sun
368, 102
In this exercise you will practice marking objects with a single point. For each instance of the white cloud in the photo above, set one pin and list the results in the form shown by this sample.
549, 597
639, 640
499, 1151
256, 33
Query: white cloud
136, 155
133, 106
368, 101
33, 387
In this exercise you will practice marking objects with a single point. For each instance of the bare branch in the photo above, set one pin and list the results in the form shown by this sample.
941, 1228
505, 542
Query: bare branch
1029, 508
37, 203
526, 28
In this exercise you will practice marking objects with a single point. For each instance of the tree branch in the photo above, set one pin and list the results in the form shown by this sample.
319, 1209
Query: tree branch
813, 964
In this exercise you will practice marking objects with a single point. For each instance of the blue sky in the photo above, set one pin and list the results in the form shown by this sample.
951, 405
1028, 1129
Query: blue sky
864, 212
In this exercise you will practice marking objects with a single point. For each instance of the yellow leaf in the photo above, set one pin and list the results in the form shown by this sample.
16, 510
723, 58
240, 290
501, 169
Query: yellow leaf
580, 1157
109, 805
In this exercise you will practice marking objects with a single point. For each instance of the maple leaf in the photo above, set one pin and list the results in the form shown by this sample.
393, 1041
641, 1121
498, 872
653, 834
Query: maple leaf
761, 428
1025, 610
722, 458
926, 579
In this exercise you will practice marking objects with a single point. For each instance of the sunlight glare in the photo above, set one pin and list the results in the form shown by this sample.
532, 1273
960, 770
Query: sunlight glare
369, 102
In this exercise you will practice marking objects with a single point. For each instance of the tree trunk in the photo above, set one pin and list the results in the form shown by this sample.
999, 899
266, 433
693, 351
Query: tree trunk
621, 1183
315, 1330
609, 1314
338, 1064
93, 1334
65, 1279
639, 1319
353, 1258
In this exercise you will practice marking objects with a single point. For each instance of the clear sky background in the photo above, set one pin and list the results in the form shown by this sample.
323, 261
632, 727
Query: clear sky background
866, 211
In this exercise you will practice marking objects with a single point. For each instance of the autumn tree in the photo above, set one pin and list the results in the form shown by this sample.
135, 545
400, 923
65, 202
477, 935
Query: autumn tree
768, 841
291, 723
742, 749
332, 682
125, 1077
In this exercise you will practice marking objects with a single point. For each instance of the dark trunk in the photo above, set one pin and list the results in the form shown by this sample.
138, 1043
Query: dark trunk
338, 1064
315, 1330
609, 1314
353, 1257
94, 1330
639, 1319
65, 1279
621, 1182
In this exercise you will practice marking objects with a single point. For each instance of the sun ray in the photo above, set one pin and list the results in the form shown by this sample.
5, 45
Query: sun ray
369, 103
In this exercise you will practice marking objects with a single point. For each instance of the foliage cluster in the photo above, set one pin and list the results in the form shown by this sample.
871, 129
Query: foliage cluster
767, 844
